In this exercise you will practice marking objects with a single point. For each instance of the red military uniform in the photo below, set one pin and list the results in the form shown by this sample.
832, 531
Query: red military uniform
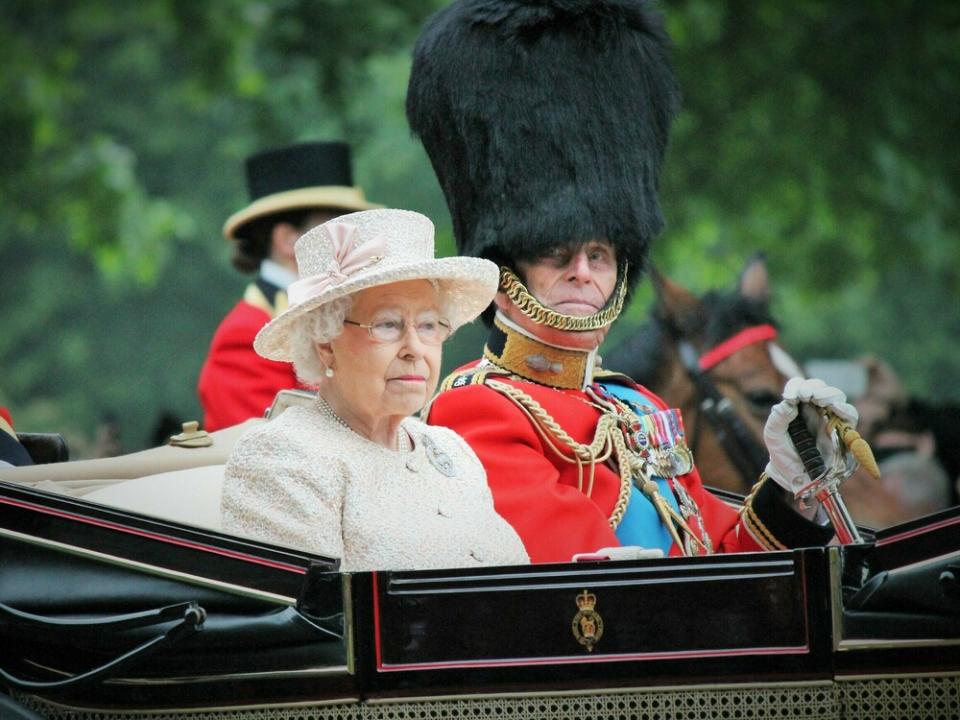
549, 500
235, 382
11, 451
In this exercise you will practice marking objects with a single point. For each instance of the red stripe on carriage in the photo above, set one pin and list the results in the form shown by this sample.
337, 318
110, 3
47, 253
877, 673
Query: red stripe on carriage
748, 336
918, 531
155, 536
376, 619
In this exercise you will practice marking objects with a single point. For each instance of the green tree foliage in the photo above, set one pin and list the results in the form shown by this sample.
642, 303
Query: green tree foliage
125, 129
826, 135
822, 133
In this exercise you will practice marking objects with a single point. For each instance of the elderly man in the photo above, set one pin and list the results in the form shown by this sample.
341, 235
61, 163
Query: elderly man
546, 125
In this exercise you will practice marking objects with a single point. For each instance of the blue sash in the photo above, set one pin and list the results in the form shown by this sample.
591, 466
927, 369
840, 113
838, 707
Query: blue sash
641, 525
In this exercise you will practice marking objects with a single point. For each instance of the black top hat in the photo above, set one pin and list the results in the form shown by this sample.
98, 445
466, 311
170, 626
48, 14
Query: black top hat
546, 122
295, 177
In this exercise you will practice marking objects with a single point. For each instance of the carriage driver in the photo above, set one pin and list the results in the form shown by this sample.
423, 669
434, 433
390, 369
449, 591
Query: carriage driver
292, 189
546, 125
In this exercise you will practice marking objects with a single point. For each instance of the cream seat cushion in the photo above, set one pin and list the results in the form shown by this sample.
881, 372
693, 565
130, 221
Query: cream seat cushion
80, 476
171, 483
190, 496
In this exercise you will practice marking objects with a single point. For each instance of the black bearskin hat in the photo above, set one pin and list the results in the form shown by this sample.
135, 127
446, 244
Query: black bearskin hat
546, 123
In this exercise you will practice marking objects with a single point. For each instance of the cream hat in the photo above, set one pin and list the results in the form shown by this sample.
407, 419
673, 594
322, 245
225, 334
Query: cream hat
369, 248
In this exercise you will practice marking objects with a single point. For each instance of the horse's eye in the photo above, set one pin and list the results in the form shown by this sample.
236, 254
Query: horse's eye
762, 400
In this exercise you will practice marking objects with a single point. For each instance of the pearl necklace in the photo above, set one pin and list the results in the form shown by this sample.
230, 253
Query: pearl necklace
402, 443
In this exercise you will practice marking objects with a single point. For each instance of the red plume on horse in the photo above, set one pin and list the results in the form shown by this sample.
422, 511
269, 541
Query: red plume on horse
716, 358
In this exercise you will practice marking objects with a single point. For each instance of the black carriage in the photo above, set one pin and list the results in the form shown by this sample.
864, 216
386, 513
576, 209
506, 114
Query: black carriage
111, 614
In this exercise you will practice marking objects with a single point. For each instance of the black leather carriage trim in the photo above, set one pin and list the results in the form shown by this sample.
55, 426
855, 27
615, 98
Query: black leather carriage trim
776, 524
189, 617
45, 448
170, 546
534, 606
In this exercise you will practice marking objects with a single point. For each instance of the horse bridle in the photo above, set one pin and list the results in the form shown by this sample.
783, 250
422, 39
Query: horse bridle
738, 442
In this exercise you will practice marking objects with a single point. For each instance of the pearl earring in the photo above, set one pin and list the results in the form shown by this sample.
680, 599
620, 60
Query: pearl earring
328, 372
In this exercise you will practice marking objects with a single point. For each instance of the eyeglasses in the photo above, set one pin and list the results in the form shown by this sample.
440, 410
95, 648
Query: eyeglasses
430, 332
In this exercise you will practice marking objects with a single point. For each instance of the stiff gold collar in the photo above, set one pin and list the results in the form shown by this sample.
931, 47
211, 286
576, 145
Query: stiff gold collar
518, 353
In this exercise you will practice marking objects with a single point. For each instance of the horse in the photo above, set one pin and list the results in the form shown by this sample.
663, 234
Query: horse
715, 358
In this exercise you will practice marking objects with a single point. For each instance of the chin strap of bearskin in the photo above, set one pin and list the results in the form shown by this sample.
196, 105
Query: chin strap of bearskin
513, 287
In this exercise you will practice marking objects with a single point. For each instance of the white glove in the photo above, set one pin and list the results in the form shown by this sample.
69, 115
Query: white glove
623, 552
785, 467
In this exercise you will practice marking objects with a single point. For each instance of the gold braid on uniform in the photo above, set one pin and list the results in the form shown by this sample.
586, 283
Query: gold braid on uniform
514, 289
603, 446
607, 440
754, 525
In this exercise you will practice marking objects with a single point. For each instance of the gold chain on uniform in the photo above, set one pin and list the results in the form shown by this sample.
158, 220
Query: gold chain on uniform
514, 289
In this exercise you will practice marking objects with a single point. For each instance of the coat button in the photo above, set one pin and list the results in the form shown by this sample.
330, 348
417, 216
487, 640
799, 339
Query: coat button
444, 510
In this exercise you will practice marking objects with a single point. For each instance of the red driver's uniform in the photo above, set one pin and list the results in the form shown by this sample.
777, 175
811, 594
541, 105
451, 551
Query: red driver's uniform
237, 384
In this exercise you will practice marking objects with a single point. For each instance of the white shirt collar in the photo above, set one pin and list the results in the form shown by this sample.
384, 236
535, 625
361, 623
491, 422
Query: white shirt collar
276, 274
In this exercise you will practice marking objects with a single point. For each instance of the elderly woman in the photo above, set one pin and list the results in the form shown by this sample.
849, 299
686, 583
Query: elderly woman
355, 476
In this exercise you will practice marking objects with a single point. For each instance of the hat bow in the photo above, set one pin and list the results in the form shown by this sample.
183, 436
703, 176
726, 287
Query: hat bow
348, 258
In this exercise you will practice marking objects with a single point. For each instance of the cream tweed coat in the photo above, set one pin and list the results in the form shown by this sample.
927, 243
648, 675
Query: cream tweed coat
305, 481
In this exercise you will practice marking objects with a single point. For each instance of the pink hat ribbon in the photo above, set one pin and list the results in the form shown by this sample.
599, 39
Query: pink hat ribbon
347, 259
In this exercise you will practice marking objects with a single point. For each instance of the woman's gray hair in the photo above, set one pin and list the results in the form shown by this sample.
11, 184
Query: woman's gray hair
318, 326
324, 324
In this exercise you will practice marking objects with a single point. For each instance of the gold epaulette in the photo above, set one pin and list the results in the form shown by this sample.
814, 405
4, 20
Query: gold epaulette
472, 376
476, 375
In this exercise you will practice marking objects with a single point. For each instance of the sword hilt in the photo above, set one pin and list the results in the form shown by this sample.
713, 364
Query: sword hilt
806, 446
825, 490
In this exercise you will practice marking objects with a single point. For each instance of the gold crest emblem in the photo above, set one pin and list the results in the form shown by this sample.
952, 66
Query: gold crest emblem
587, 624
